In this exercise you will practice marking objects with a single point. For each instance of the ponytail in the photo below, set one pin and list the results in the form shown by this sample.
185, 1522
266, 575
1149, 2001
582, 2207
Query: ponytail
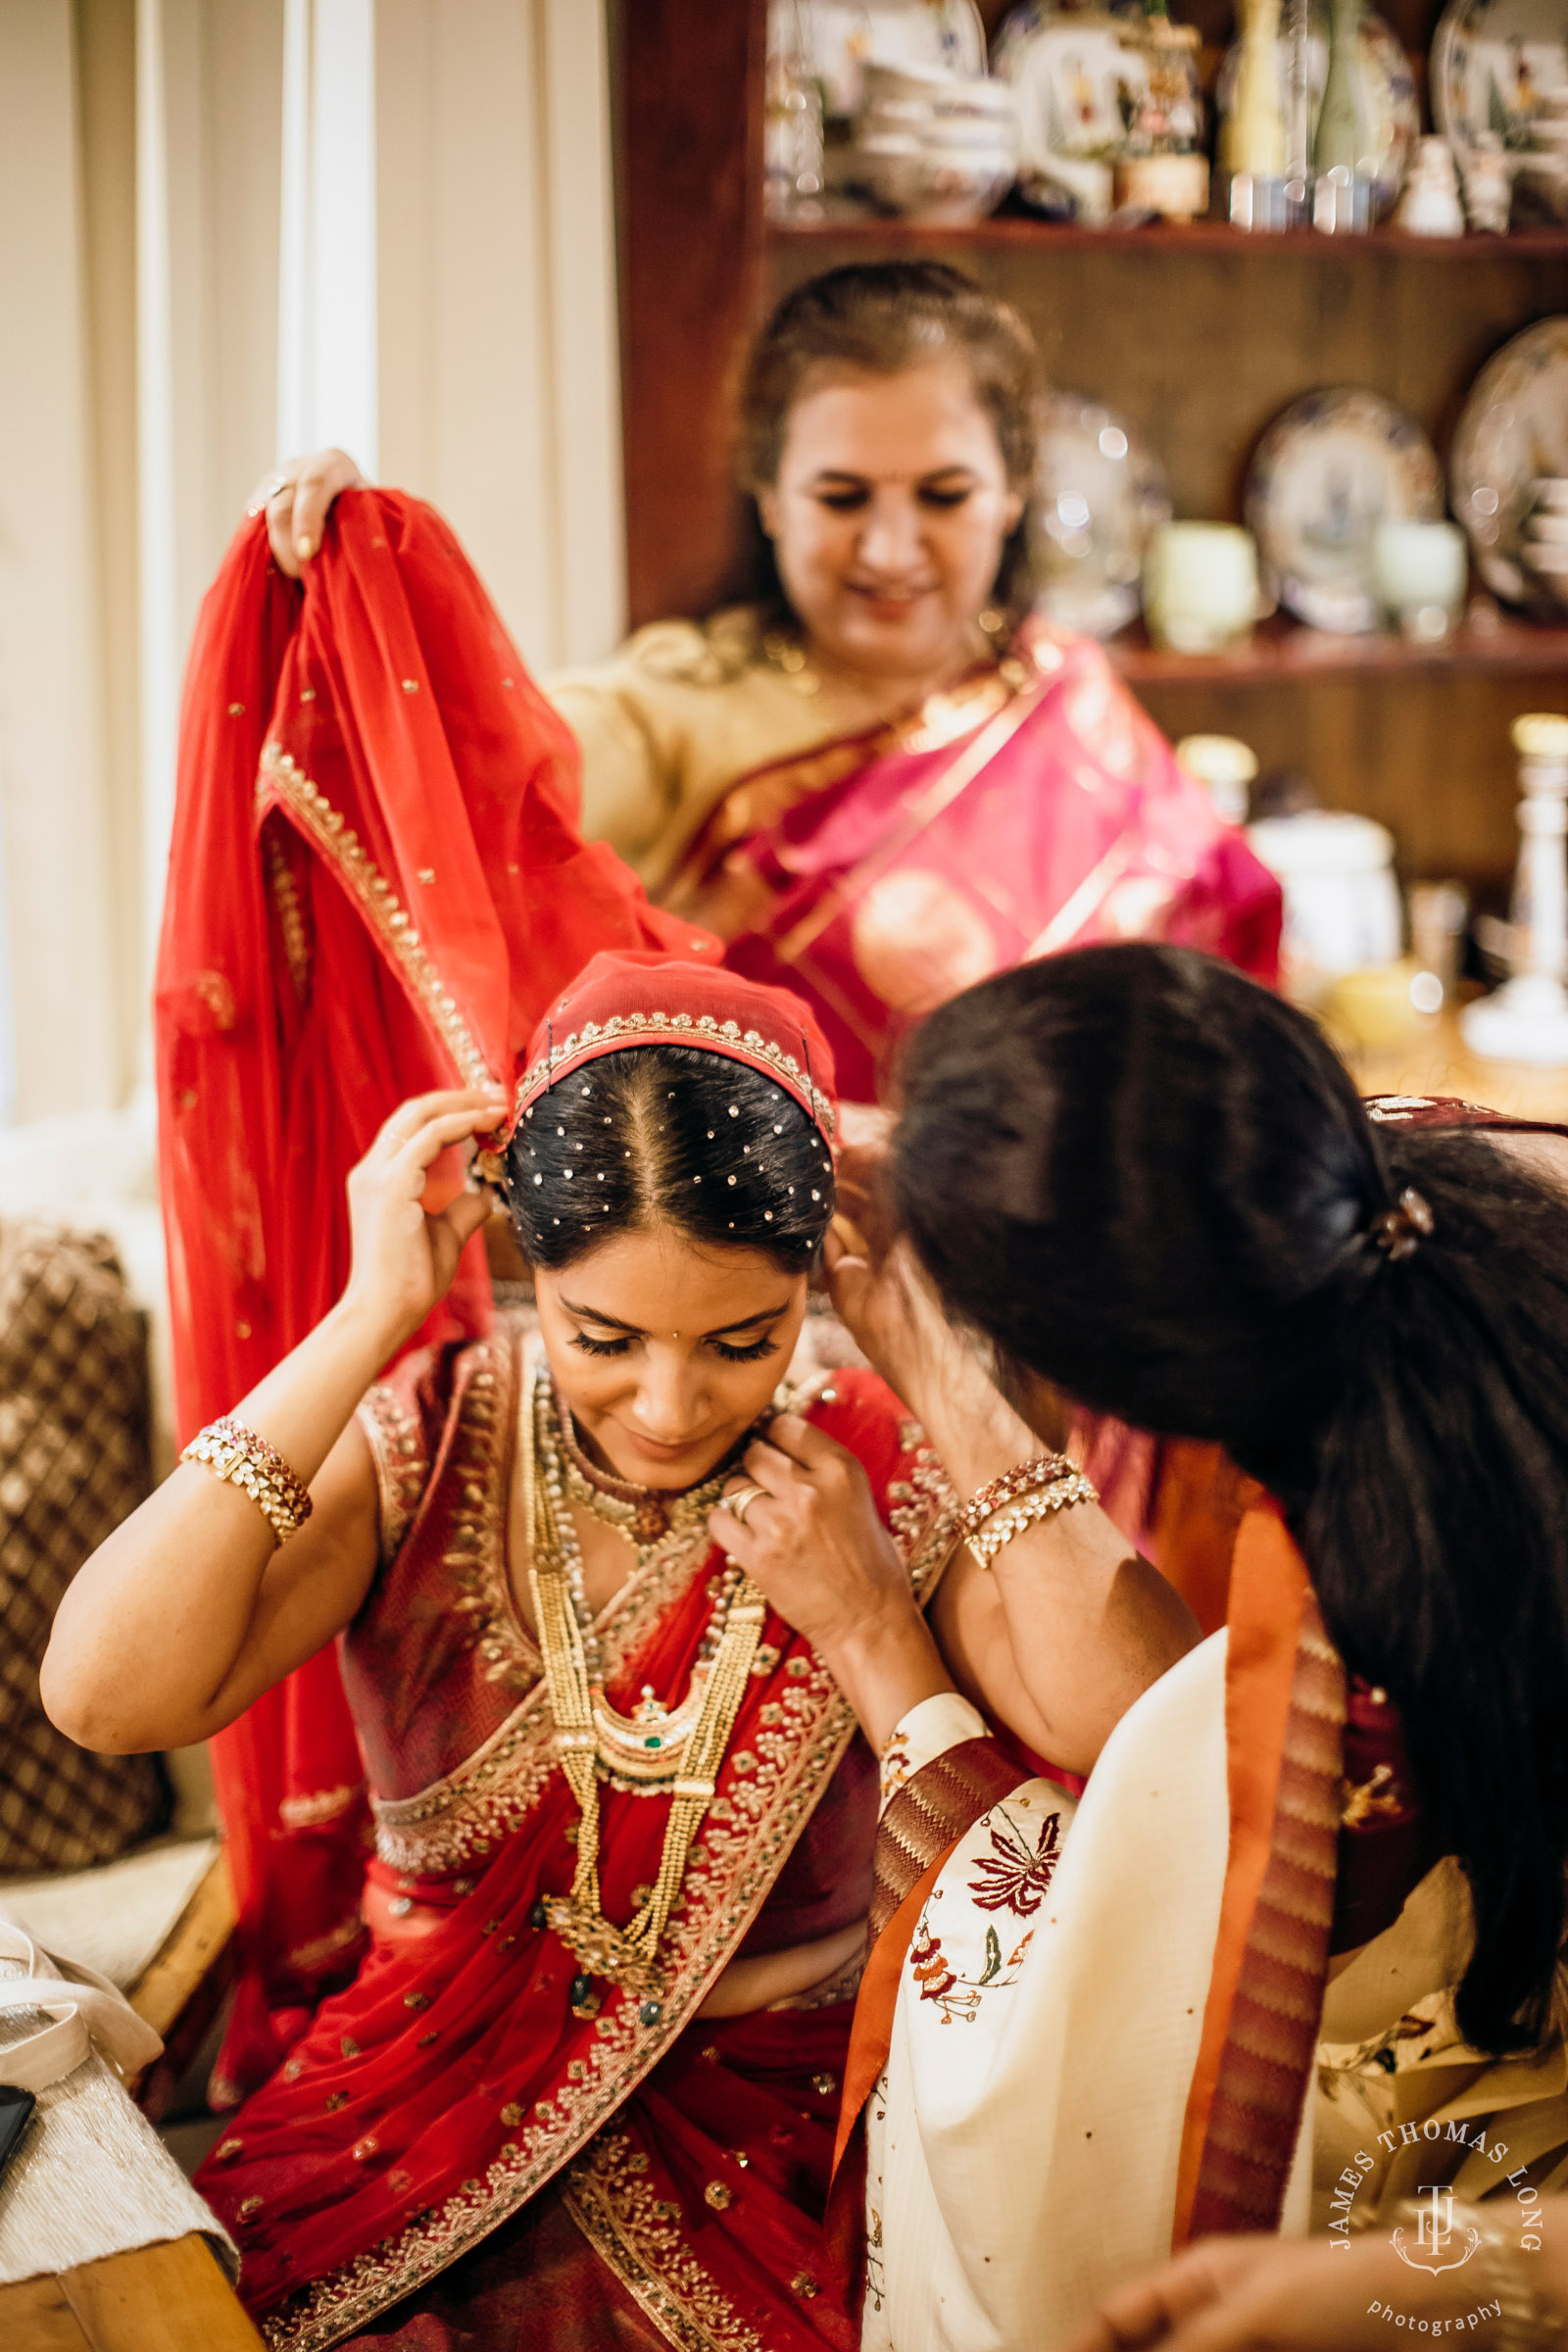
1437, 1533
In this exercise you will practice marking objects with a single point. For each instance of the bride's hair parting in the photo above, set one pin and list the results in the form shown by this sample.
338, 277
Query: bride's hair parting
669, 1135
1151, 1181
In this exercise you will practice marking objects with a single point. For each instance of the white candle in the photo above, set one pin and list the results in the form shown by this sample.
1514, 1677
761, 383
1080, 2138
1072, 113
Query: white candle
1200, 586
1419, 574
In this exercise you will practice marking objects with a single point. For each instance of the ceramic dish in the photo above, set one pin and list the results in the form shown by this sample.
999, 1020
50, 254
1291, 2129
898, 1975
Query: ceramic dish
1079, 82
1500, 66
1390, 107
1102, 496
936, 147
1324, 476
1510, 454
844, 37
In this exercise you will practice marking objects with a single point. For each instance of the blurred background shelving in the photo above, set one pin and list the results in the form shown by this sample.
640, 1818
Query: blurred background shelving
1200, 335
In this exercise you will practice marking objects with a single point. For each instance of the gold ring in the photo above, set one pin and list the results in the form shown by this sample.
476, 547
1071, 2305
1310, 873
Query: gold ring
271, 490
741, 1501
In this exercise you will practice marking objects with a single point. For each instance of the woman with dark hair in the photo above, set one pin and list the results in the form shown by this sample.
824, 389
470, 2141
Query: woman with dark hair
1150, 1187
873, 773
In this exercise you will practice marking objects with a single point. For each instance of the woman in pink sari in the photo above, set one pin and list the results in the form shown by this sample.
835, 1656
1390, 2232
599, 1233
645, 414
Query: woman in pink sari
878, 778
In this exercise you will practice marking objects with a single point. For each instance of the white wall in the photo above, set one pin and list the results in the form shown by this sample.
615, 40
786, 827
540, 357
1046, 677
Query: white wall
141, 168
209, 144
500, 388
61, 911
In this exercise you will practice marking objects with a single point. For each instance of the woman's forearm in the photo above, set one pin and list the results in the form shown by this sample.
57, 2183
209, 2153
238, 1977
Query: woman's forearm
152, 1629
1087, 1623
885, 1666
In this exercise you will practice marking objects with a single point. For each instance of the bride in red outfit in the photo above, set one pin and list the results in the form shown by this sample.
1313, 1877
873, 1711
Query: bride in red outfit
582, 2088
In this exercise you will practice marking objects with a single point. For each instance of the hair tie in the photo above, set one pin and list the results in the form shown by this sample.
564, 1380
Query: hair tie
1398, 1231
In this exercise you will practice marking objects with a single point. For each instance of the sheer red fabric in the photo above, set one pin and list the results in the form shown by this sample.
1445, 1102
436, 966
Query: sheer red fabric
376, 886
652, 1000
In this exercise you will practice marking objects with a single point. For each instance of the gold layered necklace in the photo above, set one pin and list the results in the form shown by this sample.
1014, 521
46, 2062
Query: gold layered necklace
654, 1749
644, 1515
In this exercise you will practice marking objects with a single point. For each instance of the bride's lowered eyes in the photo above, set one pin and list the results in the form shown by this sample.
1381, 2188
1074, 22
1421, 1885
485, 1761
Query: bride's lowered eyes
732, 1351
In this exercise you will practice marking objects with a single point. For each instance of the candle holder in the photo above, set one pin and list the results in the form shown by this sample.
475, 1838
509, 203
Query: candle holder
1527, 1019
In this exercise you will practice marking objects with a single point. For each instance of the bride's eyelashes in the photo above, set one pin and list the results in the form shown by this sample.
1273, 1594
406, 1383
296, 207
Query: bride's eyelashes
752, 1353
580, 1339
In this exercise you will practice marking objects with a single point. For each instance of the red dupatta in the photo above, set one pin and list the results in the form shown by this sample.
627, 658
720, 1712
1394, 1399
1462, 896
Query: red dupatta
375, 887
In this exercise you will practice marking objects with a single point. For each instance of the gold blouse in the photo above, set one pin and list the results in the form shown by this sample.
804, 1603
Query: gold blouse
677, 716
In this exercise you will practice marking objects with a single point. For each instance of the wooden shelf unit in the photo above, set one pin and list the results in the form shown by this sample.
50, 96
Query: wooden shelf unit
1282, 651
1021, 228
1200, 335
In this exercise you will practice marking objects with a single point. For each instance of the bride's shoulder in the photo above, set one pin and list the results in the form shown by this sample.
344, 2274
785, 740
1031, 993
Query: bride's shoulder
427, 1388
858, 1409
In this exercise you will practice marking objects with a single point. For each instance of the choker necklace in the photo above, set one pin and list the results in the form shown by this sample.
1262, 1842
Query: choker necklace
644, 1515
656, 1750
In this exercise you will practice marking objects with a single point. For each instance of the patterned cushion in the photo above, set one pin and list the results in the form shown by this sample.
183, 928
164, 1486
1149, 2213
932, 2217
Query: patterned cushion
73, 1462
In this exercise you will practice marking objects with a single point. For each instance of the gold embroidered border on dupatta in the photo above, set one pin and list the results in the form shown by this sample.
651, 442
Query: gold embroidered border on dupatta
293, 929
638, 2235
282, 778
696, 1026
744, 1841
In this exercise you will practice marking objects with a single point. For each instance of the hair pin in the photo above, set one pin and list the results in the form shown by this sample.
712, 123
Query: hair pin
1399, 1231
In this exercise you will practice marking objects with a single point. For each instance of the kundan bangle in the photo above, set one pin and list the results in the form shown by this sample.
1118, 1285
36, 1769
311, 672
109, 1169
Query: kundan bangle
237, 1454
1033, 1490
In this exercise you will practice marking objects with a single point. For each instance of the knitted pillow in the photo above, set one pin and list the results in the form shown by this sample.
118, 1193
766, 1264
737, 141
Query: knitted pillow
73, 1462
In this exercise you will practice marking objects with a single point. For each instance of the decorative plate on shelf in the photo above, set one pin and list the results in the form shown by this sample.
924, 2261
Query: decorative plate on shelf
1512, 439
842, 37
1102, 498
1325, 475
1500, 66
1388, 105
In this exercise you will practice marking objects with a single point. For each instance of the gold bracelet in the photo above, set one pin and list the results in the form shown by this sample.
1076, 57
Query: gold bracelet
237, 1454
1040, 1470
1527, 2316
1040, 1502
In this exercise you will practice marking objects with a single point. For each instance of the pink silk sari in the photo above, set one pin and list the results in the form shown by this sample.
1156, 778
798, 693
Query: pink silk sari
1033, 808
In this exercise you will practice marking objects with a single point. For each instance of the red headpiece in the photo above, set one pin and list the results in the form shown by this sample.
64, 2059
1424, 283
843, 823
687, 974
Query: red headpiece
646, 999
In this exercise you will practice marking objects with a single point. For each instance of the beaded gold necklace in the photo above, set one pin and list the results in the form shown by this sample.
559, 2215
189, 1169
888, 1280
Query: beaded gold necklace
655, 1747
644, 1515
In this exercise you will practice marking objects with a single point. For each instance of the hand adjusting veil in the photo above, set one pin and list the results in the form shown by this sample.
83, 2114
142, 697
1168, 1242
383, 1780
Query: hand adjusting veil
376, 887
